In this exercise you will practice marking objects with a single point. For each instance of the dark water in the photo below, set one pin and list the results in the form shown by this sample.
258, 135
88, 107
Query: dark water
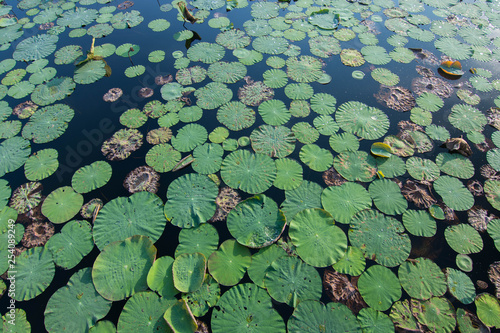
96, 120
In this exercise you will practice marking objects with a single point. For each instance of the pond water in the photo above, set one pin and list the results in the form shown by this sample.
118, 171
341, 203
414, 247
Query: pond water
371, 125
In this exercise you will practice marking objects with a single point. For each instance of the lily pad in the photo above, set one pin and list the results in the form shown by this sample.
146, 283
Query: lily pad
455, 195
34, 273
355, 166
229, 263
431, 281
463, 239
387, 197
419, 223
188, 271
91, 177
379, 287
62, 204
360, 119
345, 200
121, 269
318, 241
41, 164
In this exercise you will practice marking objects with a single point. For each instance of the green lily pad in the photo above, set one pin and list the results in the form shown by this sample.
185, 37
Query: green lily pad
387, 197
48, 123
204, 298
307, 195
143, 312
419, 223
190, 200
463, 239
379, 287
252, 173
91, 177
180, 318
274, 112
261, 263
288, 174
188, 271
251, 222
207, 158
41, 164
381, 238
289, 280
318, 241
160, 277
373, 321
345, 200
460, 286
422, 169
123, 217
455, 165
34, 273
121, 269
352, 263
163, 157
71, 244
229, 263
318, 159
275, 141
455, 195
355, 166
488, 309
436, 313
77, 300
464, 262
431, 281
246, 308
62, 204
331, 317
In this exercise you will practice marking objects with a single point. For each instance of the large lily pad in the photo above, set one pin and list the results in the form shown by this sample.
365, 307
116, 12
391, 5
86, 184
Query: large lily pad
229, 263
318, 241
381, 238
123, 217
188, 271
48, 123
431, 280
34, 273
387, 197
356, 166
345, 200
77, 300
455, 195
246, 308
62, 204
256, 222
289, 280
121, 269
379, 287
91, 177
252, 173
191, 200
363, 120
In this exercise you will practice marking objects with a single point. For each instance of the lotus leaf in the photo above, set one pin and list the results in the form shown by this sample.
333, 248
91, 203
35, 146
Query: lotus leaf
307, 195
455, 195
35, 47
261, 263
160, 277
379, 287
6, 65
13, 77
352, 57
5, 192
436, 313
203, 299
133, 118
373, 321
218, 135
263, 10
453, 48
62, 204
111, 274
127, 50
188, 271
455, 165
289, 280
275, 78
229, 263
134, 71
331, 317
207, 158
126, 20
41, 164
463, 239
274, 112
242, 302
387, 197
323, 103
300, 108
391, 167
189, 137
34, 273
208, 4
464, 262
385, 76
78, 33
419, 223
203, 239
67, 54
156, 56
325, 46
492, 192
270, 45
488, 309
122, 217
355, 166
299, 91
230, 144
460, 286
77, 300
305, 133
376, 55
365, 121
345, 200
227, 72
326, 125
100, 30
154, 109
236, 116
123, 143
52, 91
71, 244
420, 116
318, 159
319, 251
207, 53
77, 18
252, 173
90, 72
159, 25
143, 312
381, 238
352, 263
251, 224
191, 200
304, 68
432, 281
213, 95
48, 123
26, 197
273, 141
402, 316
422, 169
368, 38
